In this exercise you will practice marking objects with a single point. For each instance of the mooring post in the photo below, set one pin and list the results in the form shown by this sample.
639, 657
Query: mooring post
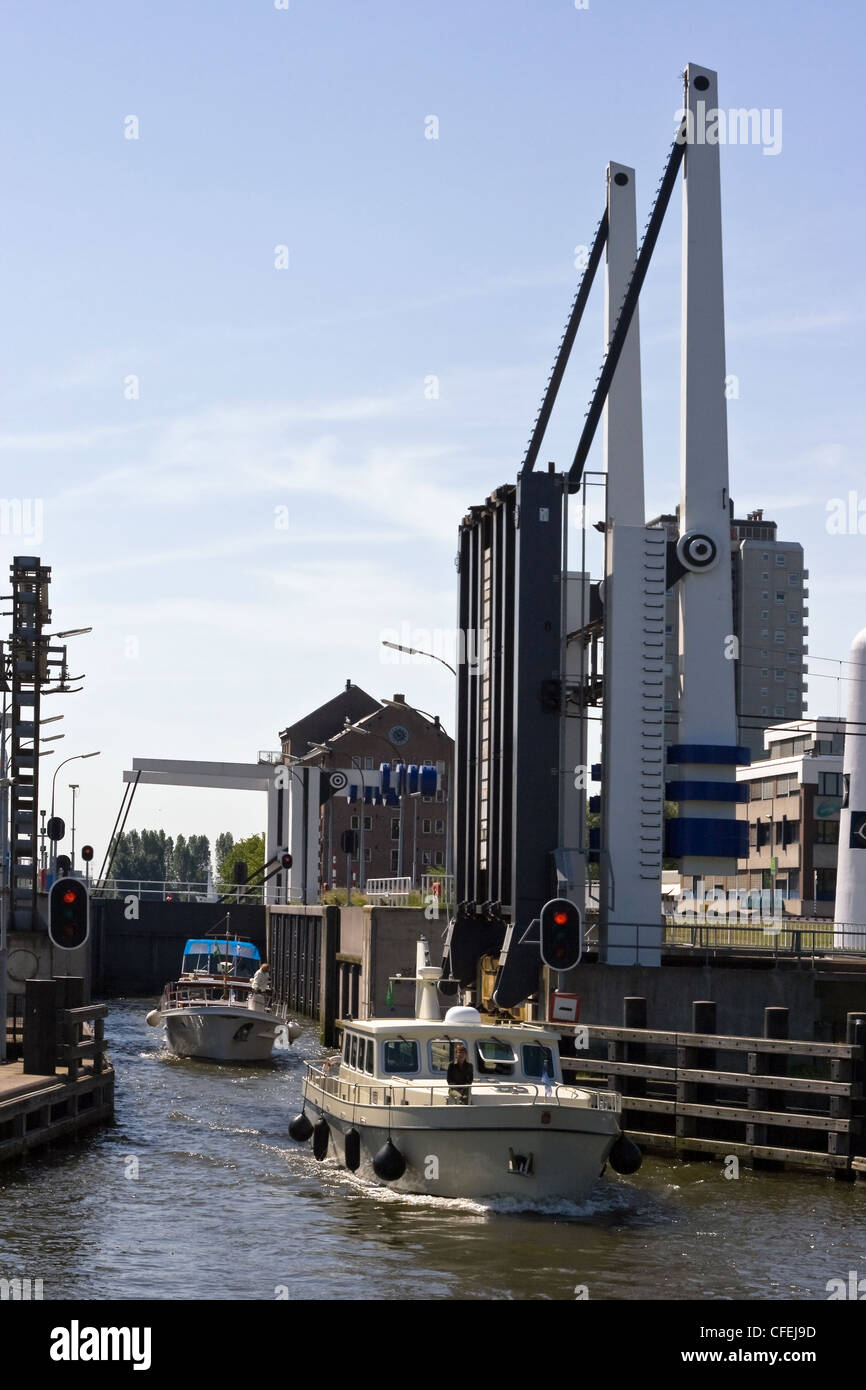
40, 1027
768, 1064
634, 1015
70, 995
855, 1034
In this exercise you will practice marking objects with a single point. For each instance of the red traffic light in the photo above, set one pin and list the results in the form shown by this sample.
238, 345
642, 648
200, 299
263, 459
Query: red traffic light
68, 913
87, 853
286, 861
561, 932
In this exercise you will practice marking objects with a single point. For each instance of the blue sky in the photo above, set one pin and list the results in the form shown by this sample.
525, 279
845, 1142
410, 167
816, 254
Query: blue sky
304, 389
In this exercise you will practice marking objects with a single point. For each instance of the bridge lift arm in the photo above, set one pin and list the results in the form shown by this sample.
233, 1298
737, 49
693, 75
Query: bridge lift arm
565, 345
620, 333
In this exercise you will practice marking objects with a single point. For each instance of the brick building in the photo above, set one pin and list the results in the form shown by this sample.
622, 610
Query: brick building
356, 733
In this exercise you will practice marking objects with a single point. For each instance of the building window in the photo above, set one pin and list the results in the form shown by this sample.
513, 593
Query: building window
764, 709
779, 637
778, 711
792, 695
765, 632
395, 827
440, 827
765, 612
765, 577
826, 832
765, 672
767, 789
779, 674
427, 858
395, 861
368, 823
669, 627
764, 829
425, 827
440, 794
764, 690
829, 784
780, 561
793, 617
790, 832
794, 657
368, 854
368, 764
825, 885
766, 558
794, 577
439, 858
781, 595
440, 768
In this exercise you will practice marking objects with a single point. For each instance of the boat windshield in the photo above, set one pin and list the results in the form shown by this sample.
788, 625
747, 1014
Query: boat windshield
538, 1060
400, 1057
442, 1052
495, 1057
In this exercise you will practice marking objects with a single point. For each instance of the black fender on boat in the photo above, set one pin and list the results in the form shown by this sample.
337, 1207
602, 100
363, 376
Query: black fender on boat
353, 1150
389, 1164
321, 1135
625, 1157
300, 1128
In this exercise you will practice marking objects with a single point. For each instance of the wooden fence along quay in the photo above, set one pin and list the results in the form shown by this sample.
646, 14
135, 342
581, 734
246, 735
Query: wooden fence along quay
773, 1102
63, 1082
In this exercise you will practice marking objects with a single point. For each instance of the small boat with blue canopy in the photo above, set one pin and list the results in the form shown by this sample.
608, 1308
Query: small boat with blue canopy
221, 1007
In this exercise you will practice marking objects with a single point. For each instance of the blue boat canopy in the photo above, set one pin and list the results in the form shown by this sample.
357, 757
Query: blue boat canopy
213, 946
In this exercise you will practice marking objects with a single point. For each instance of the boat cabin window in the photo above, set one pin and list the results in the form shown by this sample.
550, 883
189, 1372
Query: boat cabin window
442, 1052
366, 1044
537, 1058
494, 1057
400, 1056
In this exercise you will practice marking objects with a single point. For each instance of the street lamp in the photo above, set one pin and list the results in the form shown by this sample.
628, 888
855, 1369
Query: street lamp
414, 651
73, 787
73, 759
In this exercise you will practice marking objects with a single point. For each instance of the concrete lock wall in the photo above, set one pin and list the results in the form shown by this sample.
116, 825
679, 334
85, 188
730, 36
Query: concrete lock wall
741, 995
139, 957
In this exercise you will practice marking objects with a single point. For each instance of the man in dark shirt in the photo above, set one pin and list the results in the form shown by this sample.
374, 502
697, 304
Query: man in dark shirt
460, 1076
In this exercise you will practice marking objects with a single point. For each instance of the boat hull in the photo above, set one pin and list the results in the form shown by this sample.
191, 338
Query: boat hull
530, 1152
224, 1034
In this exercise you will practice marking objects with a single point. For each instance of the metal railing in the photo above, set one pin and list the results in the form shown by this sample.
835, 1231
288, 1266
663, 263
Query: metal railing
778, 936
171, 890
438, 886
394, 892
384, 1094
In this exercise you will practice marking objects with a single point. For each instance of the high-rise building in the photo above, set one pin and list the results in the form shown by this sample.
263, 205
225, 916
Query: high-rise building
770, 612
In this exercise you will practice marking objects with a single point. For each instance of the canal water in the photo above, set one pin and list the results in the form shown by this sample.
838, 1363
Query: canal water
197, 1192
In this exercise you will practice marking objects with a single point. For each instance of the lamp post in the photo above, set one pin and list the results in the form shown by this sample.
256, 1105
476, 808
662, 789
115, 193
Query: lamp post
74, 758
73, 787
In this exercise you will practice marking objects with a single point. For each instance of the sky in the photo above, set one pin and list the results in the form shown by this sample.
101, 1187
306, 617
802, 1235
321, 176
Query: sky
263, 341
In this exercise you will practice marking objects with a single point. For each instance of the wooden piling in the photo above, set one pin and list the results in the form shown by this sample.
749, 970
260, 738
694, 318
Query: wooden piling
40, 1027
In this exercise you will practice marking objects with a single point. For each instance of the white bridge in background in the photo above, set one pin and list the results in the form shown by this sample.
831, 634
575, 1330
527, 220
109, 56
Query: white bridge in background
294, 800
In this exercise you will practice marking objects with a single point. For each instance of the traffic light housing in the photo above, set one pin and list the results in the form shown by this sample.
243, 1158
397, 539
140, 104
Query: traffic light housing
286, 861
68, 913
349, 842
561, 934
87, 853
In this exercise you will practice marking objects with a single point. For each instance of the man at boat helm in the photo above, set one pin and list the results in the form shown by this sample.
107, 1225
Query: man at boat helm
261, 985
460, 1076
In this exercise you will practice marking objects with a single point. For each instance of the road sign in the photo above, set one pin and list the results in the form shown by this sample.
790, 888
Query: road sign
564, 1008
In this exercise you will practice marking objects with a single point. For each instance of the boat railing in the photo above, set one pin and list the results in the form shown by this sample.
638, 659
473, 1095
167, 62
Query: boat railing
398, 1090
205, 992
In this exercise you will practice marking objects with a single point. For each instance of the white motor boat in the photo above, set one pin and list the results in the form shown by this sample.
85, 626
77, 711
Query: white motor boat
213, 1011
393, 1107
